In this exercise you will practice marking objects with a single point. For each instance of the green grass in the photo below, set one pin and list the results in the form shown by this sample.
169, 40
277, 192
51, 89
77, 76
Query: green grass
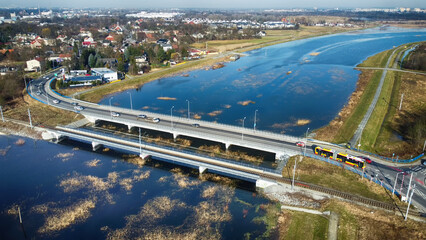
307, 226
348, 222
348, 129
378, 60
374, 124
386, 131
331, 176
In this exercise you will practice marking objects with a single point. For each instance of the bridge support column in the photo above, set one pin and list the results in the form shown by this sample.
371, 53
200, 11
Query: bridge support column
175, 135
262, 183
91, 119
280, 155
227, 146
202, 169
96, 146
59, 138
129, 127
144, 156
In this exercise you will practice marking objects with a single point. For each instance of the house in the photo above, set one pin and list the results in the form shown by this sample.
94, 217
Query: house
163, 41
33, 65
110, 38
37, 42
117, 28
106, 74
141, 61
166, 47
61, 38
88, 42
261, 34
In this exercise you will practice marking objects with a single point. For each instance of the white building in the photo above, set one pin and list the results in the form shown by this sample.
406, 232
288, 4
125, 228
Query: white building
107, 74
33, 65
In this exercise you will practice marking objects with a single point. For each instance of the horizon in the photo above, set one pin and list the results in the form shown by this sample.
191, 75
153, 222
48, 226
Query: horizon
219, 4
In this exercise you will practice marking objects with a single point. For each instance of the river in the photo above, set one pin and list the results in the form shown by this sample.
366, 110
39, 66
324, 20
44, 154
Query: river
294, 85
66, 191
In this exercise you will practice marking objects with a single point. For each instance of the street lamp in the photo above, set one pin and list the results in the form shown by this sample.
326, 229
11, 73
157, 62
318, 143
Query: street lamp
171, 116
188, 108
306, 134
131, 104
242, 131
394, 185
110, 107
254, 125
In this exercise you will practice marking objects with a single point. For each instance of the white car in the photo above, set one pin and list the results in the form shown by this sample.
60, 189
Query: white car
156, 120
115, 114
143, 116
78, 108
56, 101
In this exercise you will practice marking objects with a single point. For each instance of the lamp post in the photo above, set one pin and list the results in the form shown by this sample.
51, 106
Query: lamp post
306, 134
254, 125
131, 104
110, 107
242, 131
409, 202
188, 108
171, 116
1, 110
394, 185
140, 144
29, 116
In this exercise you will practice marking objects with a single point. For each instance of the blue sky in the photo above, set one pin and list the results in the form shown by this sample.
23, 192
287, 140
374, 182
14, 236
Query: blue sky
214, 3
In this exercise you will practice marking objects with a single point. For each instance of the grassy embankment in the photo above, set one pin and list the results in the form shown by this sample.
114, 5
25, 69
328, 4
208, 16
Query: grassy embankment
274, 37
301, 226
343, 127
330, 176
391, 130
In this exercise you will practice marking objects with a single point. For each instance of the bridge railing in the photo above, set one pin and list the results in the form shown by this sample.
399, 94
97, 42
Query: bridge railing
180, 150
391, 159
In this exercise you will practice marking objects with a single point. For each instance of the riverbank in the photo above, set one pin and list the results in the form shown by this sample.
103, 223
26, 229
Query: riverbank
386, 132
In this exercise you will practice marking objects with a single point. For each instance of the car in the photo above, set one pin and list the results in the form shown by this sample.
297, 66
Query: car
74, 103
78, 108
115, 114
366, 159
196, 125
156, 120
143, 116
300, 144
38, 92
56, 101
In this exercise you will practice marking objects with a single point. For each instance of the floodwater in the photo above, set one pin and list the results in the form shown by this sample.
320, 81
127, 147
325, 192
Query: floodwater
294, 86
66, 191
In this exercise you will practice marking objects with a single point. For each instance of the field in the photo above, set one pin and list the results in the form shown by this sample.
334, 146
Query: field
330, 176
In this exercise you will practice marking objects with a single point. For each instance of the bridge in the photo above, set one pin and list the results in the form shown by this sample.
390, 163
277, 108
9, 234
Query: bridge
261, 176
279, 144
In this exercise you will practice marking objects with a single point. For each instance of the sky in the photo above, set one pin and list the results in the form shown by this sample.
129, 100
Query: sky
277, 4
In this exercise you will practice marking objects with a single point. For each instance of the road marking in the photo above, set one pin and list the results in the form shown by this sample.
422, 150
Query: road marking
396, 169
419, 181
420, 193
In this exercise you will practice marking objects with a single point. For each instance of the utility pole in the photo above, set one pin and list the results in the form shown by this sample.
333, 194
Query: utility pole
409, 185
29, 115
424, 145
409, 202
294, 173
254, 125
394, 185
140, 144
242, 130
1, 110
171, 117
400, 104
131, 104
188, 105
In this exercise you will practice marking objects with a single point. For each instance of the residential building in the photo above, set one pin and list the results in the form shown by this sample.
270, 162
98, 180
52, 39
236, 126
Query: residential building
106, 74
33, 66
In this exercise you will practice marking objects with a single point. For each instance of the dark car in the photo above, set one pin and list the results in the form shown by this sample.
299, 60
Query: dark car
367, 160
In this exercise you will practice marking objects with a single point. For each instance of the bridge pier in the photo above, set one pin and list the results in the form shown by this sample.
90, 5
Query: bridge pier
96, 146
129, 127
227, 146
144, 156
175, 135
59, 137
263, 183
202, 169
